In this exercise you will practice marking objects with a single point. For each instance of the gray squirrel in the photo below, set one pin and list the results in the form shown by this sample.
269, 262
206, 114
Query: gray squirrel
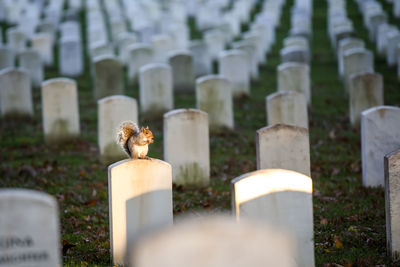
133, 141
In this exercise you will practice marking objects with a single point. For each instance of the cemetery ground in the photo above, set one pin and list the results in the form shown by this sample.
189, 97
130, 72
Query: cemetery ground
349, 220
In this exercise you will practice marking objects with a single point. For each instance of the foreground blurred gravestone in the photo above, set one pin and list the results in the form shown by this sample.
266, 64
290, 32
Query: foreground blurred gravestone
155, 88
214, 96
15, 93
380, 135
112, 111
282, 199
108, 76
186, 146
60, 109
392, 201
283, 146
29, 229
224, 242
140, 199
365, 91
287, 107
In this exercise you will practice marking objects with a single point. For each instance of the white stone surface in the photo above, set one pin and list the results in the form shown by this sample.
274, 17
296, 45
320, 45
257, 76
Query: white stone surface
344, 46
293, 76
108, 76
281, 146
252, 244
202, 63
186, 146
43, 44
112, 112
15, 92
295, 54
365, 91
287, 107
155, 88
31, 62
214, 96
182, 70
60, 110
124, 41
29, 229
101, 49
16, 40
282, 199
380, 135
251, 51
233, 65
140, 199
161, 44
70, 57
392, 202
393, 40
139, 56
215, 42
357, 60
7, 57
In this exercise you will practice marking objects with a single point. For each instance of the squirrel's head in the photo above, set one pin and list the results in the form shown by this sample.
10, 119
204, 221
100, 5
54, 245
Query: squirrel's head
147, 134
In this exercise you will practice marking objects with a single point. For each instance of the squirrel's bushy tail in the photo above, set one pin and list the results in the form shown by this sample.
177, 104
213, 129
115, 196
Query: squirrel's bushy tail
125, 131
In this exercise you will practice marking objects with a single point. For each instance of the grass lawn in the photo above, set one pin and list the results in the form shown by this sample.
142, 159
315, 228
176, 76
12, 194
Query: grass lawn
349, 220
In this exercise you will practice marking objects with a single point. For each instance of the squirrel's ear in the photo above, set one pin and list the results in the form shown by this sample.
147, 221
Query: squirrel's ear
147, 127
142, 129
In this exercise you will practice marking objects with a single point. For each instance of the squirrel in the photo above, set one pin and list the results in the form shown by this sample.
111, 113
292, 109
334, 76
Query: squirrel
133, 141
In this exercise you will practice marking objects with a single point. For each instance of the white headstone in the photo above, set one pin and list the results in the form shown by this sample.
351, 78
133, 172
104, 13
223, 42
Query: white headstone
16, 40
7, 57
392, 200
214, 96
43, 44
252, 244
282, 146
293, 76
161, 45
31, 62
101, 49
380, 135
29, 229
287, 107
365, 91
139, 55
140, 199
15, 93
108, 76
393, 40
295, 54
60, 109
112, 111
70, 57
344, 46
155, 88
186, 146
280, 198
251, 51
357, 60
124, 41
233, 65
182, 70
201, 58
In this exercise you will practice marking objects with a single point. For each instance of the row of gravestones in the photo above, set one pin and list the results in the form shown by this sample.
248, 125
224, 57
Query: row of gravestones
385, 36
380, 132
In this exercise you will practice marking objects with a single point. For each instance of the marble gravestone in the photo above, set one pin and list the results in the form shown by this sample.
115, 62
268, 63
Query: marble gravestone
161, 44
202, 62
31, 62
7, 57
60, 109
140, 199
182, 70
217, 237
234, 66
214, 96
287, 107
251, 51
282, 199
365, 91
186, 146
155, 88
112, 111
380, 135
29, 229
108, 76
355, 61
16, 40
43, 44
139, 56
70, 56
15, 93
281, 146
392, 200
293, 76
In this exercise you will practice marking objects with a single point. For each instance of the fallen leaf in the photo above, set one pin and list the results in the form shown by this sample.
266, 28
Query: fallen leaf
338, 243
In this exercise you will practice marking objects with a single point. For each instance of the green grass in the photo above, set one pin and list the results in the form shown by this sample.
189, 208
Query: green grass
343, 210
